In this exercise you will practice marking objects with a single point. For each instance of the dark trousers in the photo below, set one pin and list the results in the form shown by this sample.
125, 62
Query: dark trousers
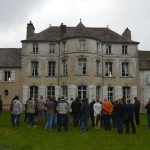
15, 120
119, 125
107, 124
92, 120
84, 123
76, 119
62, 119
31, 120
128, 122
137, 119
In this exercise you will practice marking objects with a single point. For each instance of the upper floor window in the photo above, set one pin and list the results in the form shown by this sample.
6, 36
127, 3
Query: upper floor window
108, 69
110, 93
108, 49
97, 67
7, 75
51, 68
82, 44
125, 69
34, 68
82, 66
97, 46
50, 91
124, 49
126, 92
52, 48
34, 92
35, 48
65, 67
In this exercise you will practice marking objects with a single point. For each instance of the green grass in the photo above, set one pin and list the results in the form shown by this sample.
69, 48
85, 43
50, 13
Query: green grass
24, 138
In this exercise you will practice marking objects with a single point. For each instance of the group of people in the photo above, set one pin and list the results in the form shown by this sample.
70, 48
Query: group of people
54, 113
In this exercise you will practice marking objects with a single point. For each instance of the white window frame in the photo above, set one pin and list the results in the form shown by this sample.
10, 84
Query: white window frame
65, 91
51, 91
108, 69
110, 93
82, 66
65, 67
7, 76
98, 92
82, 44
82, 91
97, 67
126, 92
34, 68
52, 48
108, 49
51, 68
35, 48
124, 49
34, 92
125, 69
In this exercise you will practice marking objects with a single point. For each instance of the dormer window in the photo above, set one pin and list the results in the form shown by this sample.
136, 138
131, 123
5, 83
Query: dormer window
52, 48
82, 44
108, 49
35, 48
124, 49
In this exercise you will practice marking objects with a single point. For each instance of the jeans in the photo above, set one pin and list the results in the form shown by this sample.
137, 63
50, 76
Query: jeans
119, 124
76, 119
128, 122
148, 120
62, 119
49, 122
31, 117
107, 123
15, 120
84, 123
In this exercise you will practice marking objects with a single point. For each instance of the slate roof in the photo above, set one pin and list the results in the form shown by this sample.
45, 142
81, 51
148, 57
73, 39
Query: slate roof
53, 33
10, 57
144, 60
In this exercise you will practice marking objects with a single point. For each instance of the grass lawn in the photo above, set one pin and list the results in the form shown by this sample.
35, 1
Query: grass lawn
24, 138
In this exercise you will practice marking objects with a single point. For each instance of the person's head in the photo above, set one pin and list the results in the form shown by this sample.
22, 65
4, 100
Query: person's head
16, 97
71, 98
97, 100
135, 98
128, 101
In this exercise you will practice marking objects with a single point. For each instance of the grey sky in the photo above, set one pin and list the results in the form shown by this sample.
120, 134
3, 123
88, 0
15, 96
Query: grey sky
118, 14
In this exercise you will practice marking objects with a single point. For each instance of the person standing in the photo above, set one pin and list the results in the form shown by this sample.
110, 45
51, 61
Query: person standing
92, 112
85, 115
129, 110
137, 110
1, 105
148, 113
62, 116
51, 107
41, 110
31, 112
97, 114
16, 111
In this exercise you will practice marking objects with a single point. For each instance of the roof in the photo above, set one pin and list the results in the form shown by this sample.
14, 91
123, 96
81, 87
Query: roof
144, 60
54, 33
10, 57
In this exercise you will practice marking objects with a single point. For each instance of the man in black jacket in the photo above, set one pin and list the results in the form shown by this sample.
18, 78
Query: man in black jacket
137, 110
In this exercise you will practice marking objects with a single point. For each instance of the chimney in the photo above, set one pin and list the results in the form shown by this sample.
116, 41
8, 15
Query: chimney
63, 28
127, 33
30, 30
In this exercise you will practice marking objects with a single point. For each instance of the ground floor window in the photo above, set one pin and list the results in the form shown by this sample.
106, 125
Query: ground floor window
126, 93
82, 91
50, 91
34, 92
110, 93
98, 92
65, 91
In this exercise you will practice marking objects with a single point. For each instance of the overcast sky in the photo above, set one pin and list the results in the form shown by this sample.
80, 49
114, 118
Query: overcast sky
118, 14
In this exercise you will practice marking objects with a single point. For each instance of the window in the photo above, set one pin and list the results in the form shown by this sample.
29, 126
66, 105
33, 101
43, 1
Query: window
97, 46
65, 67
110, 93
82, 91
108, 69
34, 68
7, 75
125, 69
97, 67
35, 48
108, 49
82, 44
82, 66
124, 49
64, 46
50, 91
98, 91
34, 92
52, 48
126, 93
51, 68
65, 91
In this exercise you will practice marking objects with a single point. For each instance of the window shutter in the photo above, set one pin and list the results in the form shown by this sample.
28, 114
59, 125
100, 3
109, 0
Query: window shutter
13, 75
1, 75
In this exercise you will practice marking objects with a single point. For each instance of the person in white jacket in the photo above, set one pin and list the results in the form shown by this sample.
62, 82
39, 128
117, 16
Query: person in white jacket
97, 113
